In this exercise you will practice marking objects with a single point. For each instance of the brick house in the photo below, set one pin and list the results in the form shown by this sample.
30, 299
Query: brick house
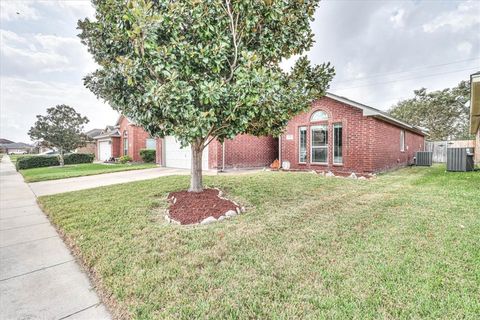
244, 151
336, 134
341, 135
90, 146
125, 138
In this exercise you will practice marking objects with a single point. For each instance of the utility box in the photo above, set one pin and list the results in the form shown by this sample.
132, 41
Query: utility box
423, 158
460, 159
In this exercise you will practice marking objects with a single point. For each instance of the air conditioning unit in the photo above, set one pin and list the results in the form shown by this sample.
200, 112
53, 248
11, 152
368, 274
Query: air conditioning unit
423, 158
460, 159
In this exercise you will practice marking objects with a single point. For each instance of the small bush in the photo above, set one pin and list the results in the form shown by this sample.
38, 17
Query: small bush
125, 159
147, 155
76, 158
29, 162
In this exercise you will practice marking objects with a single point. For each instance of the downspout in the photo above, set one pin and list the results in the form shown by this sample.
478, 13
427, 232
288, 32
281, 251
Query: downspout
223, 156
280, 151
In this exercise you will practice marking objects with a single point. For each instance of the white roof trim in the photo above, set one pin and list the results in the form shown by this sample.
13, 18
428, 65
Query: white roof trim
372, 112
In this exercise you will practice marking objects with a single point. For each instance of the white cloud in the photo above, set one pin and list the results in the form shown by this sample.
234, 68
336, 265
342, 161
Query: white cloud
76, 8
18, 10
466, 15
22, 99
398, 18
465, 47
39, 53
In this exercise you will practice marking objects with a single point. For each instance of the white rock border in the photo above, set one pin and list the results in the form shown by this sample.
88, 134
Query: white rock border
208, 220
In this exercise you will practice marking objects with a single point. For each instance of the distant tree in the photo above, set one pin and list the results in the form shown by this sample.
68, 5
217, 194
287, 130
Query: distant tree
61, 128
203, 70
444, 113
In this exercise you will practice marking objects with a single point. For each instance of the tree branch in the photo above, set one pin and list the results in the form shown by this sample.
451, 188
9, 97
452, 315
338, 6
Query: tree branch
233, 29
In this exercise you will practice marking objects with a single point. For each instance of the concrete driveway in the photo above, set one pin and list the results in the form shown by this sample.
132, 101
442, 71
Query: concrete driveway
39, 278
79, 183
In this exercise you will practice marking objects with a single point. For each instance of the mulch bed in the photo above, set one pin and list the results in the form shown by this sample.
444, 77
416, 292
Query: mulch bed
192, 207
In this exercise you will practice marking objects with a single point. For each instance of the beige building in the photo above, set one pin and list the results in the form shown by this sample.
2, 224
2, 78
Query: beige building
475, 112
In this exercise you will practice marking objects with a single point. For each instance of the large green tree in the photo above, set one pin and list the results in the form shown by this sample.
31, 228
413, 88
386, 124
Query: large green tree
444, 113
200, 70
60, 128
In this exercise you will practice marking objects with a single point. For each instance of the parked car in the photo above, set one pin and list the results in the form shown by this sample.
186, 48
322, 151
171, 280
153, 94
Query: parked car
48, 153
18, 152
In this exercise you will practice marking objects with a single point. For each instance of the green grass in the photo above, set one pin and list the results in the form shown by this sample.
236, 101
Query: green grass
78, 170
405, 245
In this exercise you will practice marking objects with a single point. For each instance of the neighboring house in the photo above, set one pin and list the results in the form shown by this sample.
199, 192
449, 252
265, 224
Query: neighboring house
90, 146
125, 138
475, 112
16, 148
341, 135
4, 142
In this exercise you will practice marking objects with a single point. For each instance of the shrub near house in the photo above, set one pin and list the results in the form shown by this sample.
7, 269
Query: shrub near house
51, 161
148, 155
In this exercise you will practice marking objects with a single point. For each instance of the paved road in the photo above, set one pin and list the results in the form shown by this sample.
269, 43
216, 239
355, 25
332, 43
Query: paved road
39, 278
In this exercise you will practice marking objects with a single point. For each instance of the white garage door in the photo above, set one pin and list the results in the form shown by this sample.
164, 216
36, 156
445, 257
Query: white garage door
178, 157
104, 150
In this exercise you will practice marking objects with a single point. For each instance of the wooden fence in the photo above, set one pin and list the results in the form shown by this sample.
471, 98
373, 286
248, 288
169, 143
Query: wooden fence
439, 148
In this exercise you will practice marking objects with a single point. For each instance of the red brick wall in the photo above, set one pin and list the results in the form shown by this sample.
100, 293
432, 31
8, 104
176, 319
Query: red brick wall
387, 152
369, 144
116, 151
215, 155
137, 139
89, 148
244, 151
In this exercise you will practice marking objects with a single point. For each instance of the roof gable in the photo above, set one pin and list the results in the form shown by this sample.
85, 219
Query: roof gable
372, 112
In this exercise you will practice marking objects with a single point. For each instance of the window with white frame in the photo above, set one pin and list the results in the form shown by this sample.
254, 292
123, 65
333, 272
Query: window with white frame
302, 145
125, 142
319, 144
402, 140
337, 143
150, 143
319, 116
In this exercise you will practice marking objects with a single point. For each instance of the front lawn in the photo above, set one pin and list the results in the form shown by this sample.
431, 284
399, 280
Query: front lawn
78, 170
405, 245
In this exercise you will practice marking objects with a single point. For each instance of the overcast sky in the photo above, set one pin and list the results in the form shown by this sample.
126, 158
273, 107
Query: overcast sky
382, 51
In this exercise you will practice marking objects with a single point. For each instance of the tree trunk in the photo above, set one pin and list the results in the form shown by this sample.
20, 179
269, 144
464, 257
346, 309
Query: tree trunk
196, 184
60, 158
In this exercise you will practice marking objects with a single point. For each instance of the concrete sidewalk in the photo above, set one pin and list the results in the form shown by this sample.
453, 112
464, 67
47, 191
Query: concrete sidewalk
39, 278
79, 183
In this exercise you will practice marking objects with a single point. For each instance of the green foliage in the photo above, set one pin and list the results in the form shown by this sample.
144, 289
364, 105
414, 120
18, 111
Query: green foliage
27, 162
204, 69
76, 158
61, 128
148, 155
125, 159
445, 113
36, 162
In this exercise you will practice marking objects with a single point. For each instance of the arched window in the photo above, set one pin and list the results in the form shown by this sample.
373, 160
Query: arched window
319, 116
